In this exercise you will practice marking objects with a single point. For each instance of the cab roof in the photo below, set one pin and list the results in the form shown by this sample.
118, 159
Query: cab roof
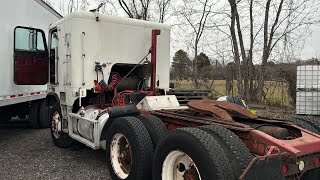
112, 19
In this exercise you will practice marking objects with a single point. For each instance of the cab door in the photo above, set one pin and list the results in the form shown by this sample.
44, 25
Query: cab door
31, 59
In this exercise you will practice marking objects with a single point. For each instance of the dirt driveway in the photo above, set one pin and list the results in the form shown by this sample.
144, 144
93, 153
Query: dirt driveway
26, 153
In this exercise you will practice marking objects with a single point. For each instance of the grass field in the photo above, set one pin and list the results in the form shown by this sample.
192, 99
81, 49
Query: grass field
276, 93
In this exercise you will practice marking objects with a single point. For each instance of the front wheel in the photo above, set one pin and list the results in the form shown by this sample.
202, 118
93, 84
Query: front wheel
60, 138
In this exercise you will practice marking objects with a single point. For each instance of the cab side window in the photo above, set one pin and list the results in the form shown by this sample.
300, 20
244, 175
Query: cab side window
29, 40
31, 65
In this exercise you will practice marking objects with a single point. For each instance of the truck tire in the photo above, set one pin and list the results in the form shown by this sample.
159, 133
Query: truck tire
33, 114
60, 138
312, 122
44, 120
190, 153
128, 149
155, 127
238, 154
303, 124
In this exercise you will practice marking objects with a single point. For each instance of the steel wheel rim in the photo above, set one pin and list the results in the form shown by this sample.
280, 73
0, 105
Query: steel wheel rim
121, 156
56, 124
179, 166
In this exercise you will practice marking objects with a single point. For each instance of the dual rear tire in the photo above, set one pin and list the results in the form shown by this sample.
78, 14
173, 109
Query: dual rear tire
306, 123
130, 144
39, 114
190, 153
137, 146
313, 124
208, 152
128, 149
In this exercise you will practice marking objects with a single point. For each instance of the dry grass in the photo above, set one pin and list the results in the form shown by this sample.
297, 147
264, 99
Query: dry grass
276, 92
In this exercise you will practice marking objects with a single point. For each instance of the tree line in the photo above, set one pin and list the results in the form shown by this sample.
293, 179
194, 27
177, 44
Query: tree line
212, 69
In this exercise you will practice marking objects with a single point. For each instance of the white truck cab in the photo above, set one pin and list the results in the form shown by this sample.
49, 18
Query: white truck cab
98, 69
86, 52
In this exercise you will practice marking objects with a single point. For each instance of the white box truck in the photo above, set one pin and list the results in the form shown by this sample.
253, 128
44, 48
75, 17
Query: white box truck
18, 97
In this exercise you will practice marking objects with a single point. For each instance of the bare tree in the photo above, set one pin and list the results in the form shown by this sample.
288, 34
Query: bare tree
74, 5
289, 17
280, 18
234, 19
163, 6
136, 9
155, 10
195, 16
47, 2
110, 7
69, 6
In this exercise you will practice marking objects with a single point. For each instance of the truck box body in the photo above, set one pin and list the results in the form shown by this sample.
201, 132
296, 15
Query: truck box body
13, 13
84, 41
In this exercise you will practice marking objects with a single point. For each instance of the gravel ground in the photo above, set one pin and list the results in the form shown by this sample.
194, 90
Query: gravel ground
30, 154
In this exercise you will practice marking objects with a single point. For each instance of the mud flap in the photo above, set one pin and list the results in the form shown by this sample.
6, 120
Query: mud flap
269, 169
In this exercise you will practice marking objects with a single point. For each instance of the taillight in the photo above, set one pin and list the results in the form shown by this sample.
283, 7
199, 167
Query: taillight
284, 169
317, 162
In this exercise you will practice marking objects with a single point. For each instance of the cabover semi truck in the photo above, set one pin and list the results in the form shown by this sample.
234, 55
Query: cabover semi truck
107, 84
18, 97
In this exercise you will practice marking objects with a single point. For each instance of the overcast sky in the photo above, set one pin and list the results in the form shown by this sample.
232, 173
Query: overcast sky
311, 47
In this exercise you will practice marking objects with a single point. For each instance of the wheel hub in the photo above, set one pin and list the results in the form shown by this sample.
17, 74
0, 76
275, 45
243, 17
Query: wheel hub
179, 166
191, 173
56, 125
121, 156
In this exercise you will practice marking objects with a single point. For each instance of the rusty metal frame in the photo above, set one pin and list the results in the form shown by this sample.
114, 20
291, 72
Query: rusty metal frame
172, 116
305, 145
267, 156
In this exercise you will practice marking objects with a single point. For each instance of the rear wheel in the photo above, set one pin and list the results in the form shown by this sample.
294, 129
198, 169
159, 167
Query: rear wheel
129, 149
312, 122
238, 154
190, 153
303, 124
155, 127
178, 165
60, 138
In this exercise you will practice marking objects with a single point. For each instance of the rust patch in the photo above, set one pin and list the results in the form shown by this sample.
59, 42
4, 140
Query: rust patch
220, 109
207, 107
191, 174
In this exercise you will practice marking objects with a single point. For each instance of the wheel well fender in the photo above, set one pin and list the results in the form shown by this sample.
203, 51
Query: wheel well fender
52, 98
114, 113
